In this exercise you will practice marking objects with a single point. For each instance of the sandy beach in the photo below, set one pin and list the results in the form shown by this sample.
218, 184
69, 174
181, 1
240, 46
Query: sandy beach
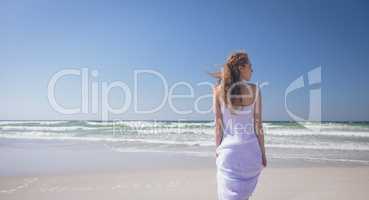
275, 183
62, 170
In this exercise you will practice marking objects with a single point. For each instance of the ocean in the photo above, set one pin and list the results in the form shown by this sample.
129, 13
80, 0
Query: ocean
337, 142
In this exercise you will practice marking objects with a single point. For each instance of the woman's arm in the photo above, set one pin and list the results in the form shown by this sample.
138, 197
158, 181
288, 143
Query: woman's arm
218, 118
259, 125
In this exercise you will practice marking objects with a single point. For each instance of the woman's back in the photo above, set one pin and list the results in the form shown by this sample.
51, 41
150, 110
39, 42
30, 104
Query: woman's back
238, 124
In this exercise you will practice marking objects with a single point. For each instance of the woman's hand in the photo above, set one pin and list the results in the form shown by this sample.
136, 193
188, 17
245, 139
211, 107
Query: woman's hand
264, 160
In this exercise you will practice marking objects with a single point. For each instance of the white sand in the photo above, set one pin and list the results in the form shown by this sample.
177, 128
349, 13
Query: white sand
275, 183
44, 170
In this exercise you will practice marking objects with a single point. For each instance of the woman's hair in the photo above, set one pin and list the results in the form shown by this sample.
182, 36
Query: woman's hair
230, 77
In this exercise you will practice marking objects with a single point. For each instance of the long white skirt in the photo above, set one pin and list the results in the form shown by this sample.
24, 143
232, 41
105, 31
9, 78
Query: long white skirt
238, 170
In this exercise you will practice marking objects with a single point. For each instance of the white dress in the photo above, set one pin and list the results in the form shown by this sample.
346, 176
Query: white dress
239, 161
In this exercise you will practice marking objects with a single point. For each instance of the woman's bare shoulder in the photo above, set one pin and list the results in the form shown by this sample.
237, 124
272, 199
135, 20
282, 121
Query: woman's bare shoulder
251, 87
254, 89
217, 89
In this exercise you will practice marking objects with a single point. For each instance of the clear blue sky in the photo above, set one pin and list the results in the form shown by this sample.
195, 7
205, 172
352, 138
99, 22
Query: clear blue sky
183, 40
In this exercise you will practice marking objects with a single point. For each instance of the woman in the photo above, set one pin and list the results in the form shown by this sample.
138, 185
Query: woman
240, 151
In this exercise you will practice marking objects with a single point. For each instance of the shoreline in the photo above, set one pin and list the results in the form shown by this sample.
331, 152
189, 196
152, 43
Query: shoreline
22, 157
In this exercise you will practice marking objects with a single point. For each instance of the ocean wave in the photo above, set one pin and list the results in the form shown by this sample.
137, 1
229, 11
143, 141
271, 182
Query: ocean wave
325, 126
287, 132
151, 150
175, 141
98, 123
195, 130
45, 128
321, 159
40, 122
151, 124
333, 146
54, 136
34, 135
